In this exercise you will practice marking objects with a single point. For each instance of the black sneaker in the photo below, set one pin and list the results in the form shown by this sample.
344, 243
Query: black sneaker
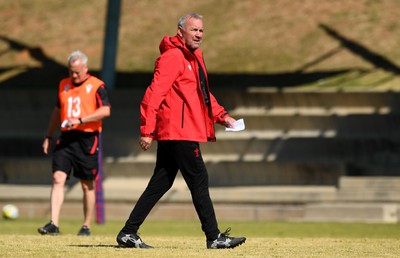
84, 231
49, 229
131, 240
223, 241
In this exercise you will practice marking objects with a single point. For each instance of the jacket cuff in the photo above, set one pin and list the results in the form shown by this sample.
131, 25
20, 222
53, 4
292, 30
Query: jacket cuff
224, 115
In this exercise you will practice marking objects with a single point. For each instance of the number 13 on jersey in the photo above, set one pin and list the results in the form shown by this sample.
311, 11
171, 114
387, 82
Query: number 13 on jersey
74, 107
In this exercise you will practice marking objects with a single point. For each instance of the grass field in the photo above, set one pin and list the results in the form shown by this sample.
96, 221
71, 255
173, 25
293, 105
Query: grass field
184, 239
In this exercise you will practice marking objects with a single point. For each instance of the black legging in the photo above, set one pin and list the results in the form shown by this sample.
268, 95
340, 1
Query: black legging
171, 156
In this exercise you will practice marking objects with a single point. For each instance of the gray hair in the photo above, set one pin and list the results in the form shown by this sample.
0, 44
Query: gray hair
78, 55
182, 20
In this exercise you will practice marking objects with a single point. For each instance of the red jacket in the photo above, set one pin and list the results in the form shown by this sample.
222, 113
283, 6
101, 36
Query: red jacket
173, 106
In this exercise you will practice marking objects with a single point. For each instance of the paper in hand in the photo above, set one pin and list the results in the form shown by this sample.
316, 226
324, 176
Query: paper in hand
238, 126
64, 124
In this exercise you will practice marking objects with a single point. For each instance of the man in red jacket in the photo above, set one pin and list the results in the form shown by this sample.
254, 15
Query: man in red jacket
179, 111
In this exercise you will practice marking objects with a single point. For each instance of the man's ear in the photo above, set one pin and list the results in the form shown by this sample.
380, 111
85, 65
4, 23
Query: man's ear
180, 31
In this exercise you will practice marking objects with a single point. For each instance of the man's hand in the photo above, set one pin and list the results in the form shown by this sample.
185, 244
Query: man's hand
229, 122
145, 143
46, 145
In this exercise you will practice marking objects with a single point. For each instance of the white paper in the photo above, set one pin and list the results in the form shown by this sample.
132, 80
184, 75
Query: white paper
238, 126
64, 123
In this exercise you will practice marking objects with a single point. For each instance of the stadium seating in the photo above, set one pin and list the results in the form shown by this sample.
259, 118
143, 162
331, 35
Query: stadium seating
309, 154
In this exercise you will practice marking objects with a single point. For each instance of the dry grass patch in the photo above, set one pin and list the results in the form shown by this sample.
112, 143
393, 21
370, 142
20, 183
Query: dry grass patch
105, 246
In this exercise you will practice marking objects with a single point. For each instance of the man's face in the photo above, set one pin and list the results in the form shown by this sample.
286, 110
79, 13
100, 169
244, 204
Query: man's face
77, 71
192, 34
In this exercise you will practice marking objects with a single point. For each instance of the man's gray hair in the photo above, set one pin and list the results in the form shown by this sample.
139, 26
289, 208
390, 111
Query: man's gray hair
182, 20
78, 55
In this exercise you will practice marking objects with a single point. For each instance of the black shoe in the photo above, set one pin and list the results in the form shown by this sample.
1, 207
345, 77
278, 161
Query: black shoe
131, 240
49, 229
223, 241
84, 231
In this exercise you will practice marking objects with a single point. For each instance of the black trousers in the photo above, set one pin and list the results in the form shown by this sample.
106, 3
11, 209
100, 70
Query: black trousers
171, 157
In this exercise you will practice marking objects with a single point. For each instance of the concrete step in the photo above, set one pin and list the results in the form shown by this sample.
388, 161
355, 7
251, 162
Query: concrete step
25, 170
329, 212
345, 150
368, 195
33, 123
245, 173
308, 111
265, 145
352, 212
240, 147
163, 211
362, 182
121, 189
257, 96
38, 171
25, 99
307, 149
366, 189
300, 203
274, 173
23, 146
338, 126
274, 97
229, 170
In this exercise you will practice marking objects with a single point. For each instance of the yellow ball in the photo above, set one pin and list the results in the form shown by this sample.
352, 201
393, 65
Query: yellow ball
10, 211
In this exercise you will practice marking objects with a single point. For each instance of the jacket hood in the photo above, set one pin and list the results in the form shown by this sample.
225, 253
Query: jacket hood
169, 42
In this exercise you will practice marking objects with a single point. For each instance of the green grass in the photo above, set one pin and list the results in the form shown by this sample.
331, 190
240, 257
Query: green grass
184, 239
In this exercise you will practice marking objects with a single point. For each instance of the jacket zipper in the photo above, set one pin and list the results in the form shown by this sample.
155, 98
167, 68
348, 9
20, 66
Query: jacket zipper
183, 113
